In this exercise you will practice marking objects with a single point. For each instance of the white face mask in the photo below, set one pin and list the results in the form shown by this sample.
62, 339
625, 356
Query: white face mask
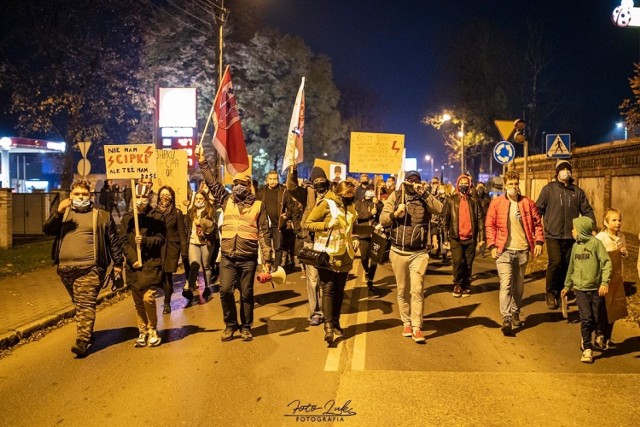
142, 203
369, 194
512, 192
564, 175
80, 205
199, 205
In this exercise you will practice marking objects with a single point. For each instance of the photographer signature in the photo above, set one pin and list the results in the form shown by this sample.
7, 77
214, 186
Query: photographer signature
329, 408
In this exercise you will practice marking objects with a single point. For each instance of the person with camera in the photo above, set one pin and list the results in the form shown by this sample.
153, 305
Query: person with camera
244, 231
408, 213
86, 242
332, 223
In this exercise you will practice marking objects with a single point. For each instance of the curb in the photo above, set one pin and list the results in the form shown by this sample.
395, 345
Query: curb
10, 339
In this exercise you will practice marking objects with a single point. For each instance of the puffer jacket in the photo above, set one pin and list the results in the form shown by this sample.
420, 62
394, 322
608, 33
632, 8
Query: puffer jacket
107, 244
451, 214
239, 248
317, 222
411, 232
497, 222
559, 205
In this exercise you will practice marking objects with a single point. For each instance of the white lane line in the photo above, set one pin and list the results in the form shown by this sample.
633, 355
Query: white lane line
360, 340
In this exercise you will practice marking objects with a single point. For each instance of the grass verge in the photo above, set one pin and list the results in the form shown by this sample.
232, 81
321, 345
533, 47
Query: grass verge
25, 258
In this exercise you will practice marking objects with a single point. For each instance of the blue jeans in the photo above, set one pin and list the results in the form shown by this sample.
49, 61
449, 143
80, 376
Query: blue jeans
238, 274
511, 266
593, 316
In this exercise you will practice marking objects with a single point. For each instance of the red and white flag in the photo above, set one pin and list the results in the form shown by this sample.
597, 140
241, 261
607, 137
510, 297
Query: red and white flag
228, 138
295, 150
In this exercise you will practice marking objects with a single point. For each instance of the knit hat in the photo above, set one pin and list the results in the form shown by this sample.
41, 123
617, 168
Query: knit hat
410, 174
563, 164
317, 173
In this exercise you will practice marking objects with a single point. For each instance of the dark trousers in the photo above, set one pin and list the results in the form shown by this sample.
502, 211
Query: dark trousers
463, 252
332, 285
215, 268
238, 274
559, 251
369, 266
593, 316
276, 242
167, 286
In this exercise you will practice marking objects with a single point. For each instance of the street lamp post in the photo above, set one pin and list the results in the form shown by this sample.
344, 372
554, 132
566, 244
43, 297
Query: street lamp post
429, 158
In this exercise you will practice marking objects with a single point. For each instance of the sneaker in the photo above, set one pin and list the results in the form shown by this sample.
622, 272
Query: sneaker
506, 327
206, 293
141, 341
303, 276
166, 309
600, 343
552, 304
417, 336
81, 348
246, 335
407, 331
227, 335
154, 339
587, 356
565, 307
337, 330
457, 291
315, 320
516, 321
466, 292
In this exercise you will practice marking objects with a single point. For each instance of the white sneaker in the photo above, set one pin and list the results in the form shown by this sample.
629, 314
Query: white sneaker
154, 339
587, 356
141, 341
600, 343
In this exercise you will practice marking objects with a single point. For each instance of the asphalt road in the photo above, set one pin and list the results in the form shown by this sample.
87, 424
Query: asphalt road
467, 373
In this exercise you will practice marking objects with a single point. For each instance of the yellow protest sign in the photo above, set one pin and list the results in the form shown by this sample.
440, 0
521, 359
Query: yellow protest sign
375, 152
332, 168
228, 178
130, 161
172, 172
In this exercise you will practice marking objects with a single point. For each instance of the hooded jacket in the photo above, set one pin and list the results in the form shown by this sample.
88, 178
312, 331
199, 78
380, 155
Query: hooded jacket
451, 213
590, 265
559, 205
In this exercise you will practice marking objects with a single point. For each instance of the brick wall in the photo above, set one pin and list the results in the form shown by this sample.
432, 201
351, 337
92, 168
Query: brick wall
6, 223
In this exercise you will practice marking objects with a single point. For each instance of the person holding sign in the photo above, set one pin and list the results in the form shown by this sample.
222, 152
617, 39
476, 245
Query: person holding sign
144, 274
244, 230
86, 242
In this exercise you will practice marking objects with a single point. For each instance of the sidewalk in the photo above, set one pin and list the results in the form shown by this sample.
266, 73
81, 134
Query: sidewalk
32, 301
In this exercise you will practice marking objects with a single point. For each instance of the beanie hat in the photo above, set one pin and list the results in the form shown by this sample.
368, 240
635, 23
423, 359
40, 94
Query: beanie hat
412, 174
563, 164
317, 173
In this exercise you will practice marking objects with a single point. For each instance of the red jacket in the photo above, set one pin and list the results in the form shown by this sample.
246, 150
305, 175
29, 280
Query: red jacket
496, 224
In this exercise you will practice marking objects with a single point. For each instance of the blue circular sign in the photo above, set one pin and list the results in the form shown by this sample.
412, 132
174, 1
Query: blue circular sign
504, 152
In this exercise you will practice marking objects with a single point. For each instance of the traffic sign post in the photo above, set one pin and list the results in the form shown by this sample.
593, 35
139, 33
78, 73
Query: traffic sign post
558, 145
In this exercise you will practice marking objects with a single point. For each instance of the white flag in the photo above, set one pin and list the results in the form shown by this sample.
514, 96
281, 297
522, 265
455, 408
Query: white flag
400, 176
294, 149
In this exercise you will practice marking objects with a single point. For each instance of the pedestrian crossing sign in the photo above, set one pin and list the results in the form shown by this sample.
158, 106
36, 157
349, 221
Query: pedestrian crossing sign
558, 145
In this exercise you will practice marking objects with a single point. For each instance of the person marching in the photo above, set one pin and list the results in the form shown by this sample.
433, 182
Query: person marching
332, 223
588, 275
144, 275
175, 243
408, 213
272, 197
514, 231
244, 230
462, 222
615, 300
368, 213
86, 242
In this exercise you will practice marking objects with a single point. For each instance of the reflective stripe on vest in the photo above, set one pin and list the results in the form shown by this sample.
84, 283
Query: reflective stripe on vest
340, 239
242, 224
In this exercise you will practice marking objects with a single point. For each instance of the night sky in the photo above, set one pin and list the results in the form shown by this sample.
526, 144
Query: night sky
395, 47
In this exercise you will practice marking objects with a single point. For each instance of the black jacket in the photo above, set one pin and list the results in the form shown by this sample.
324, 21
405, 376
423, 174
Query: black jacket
450, 217
107, 243
559, 205
176, 240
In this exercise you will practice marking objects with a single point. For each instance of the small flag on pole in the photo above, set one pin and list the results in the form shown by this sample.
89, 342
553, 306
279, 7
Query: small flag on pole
294, 150
228, 139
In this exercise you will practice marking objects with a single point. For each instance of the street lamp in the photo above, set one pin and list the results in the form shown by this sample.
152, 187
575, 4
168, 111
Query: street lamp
621, 125
429, 158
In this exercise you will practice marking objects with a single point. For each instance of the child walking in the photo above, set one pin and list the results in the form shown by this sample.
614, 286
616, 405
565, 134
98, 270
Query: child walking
615, 300
588, 276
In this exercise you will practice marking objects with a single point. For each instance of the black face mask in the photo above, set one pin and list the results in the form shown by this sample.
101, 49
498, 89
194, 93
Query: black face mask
321, 187
347, 200
464, 189
409, 189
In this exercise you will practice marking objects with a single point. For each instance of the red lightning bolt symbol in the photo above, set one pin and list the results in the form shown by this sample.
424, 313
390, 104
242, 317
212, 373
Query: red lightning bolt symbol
393, 147
149, 151
110, 161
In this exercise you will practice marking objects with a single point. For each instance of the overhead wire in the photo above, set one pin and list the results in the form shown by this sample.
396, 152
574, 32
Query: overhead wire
161, 9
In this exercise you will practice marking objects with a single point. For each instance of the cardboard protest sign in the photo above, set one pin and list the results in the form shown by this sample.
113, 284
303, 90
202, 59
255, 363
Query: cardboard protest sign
172, 171
331, 168
130, 161
375, 152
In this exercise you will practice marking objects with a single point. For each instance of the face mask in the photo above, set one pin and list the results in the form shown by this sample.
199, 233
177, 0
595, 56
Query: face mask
347, 200
512, 192
369, 194
80, 205
408, 188
564, 175
464, 189
480, 192
142, 203
240, 191
321, 187
199, 205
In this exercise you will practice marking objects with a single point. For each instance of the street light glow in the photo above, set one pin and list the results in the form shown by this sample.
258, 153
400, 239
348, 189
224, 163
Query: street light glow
446, 117
619, 125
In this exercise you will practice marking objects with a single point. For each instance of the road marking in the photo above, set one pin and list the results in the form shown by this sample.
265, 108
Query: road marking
360, 340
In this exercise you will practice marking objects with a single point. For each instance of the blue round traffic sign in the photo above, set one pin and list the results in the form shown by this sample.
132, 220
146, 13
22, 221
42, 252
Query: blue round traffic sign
504, 152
